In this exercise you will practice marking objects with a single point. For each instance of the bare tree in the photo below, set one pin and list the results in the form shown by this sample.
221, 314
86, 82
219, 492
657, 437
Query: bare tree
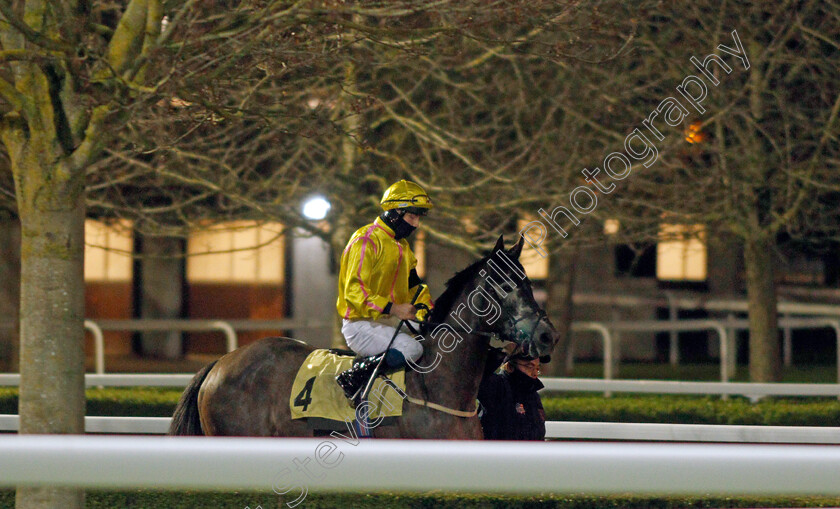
727, 117
473, 114
179, 113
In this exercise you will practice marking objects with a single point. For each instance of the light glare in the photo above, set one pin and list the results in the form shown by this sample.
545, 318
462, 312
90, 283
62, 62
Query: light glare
316, 208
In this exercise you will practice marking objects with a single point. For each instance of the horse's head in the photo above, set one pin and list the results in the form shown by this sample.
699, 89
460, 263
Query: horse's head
521, 320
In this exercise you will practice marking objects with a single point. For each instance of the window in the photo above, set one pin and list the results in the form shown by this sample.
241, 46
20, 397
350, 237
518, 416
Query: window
681, 253
536, 266
241, 252
108, 249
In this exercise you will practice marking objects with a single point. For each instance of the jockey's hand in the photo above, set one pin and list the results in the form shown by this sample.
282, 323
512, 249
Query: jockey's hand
404, 311
423, 312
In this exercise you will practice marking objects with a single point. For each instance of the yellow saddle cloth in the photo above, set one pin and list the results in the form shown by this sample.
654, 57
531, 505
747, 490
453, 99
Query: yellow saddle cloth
315, 393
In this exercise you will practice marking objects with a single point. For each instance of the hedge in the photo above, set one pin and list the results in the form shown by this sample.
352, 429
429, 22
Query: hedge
144, 499
125, 402
693, 410
158, 402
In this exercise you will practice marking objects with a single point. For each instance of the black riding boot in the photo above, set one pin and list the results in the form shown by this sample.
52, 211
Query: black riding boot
354, 379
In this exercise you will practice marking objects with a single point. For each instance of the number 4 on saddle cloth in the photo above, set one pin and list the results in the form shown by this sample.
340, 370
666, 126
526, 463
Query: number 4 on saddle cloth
318, 398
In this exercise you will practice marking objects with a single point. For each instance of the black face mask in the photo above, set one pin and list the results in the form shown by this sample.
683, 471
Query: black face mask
400, 226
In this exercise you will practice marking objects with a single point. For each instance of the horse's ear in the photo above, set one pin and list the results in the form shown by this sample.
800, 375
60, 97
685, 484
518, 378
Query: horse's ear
500, 244
516, 250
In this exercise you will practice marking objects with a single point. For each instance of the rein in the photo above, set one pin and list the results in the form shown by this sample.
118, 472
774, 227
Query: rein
426, 327
441, 408
434, 406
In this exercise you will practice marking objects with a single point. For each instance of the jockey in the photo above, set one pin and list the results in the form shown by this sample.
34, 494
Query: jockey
377, 280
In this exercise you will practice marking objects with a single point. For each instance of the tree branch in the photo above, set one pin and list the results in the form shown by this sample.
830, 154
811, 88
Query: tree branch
31, 35
128, 39
12, 96
92, 145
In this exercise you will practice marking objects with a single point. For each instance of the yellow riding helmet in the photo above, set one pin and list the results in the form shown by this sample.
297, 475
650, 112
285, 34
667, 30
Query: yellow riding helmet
406, 195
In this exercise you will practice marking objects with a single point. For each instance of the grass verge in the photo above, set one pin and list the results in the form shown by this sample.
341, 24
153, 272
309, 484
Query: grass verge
144, 499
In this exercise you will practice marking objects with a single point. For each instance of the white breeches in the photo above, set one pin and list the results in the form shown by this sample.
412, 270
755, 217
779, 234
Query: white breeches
368, 338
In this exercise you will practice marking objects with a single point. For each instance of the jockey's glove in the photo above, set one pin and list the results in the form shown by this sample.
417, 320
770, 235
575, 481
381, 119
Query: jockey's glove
423, 312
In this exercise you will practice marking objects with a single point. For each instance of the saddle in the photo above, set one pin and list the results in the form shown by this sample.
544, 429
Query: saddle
317, 397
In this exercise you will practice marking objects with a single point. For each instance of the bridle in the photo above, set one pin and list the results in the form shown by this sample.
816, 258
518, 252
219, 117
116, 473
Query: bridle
511, 323
519, 333
424, 329
513, 331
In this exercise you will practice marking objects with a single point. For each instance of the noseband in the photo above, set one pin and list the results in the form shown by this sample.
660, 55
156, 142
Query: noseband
514, 332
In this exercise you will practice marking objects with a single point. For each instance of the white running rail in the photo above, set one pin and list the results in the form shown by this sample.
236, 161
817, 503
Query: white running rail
554, 430
692, 432
417, 465
749, 389
118, 380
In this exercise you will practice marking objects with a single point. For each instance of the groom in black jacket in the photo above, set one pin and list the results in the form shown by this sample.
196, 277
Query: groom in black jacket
512, 409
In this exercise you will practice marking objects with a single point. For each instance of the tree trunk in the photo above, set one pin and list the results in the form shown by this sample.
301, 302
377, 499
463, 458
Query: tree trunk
52, 302
52, 395
161, 294
765, 365
52, 133
561, 277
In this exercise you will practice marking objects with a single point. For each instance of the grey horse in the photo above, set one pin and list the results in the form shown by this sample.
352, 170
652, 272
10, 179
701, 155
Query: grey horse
246, 392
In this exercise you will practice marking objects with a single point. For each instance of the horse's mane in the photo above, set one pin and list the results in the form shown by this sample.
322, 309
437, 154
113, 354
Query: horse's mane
443, 304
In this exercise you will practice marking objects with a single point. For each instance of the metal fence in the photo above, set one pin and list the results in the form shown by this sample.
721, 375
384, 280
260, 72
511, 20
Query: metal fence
725, 329
674, 303
226, 327
608, 331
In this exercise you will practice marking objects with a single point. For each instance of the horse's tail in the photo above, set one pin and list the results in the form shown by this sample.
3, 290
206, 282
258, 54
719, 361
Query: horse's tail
185, 420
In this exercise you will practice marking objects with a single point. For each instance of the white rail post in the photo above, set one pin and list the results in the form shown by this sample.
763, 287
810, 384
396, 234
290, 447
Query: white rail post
98, 346
787, 344
231, 339
835, 324
725, 353
615, 348
674, 348
610, 347
732, 346
606, 335
570, 354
